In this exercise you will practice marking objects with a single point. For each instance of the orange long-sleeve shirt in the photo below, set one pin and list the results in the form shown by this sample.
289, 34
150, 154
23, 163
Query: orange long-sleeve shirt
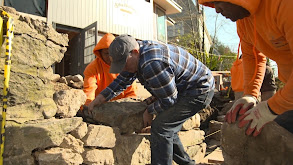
270, 26
98, 77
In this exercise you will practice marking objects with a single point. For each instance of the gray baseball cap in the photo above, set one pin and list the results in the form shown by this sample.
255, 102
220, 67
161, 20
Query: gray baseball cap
119, 50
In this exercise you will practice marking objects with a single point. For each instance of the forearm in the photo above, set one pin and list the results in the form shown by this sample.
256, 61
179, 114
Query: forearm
124, 80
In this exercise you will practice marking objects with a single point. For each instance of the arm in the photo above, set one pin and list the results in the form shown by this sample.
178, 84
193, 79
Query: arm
161, 81
123, 80
252, 81
253, 75
90, 83
283, 100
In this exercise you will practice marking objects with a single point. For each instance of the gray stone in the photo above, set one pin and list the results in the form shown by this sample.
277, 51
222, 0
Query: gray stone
274, 145
193, 122
24, 138
63, 80
25, 159
132, 149
76, 85
100, 136
80, 131
55, 77
68, 78
98, 157
58, 156
72, 143
126, 114
197, 152
69, 101
77, 78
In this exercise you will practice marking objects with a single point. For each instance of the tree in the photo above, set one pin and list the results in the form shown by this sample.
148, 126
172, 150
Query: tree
221, 61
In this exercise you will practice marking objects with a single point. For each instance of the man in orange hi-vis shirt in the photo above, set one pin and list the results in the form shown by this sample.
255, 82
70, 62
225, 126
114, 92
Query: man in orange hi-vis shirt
97, 76
263, 26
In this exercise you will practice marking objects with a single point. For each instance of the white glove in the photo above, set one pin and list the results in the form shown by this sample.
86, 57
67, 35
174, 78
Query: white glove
244, 103
258, 116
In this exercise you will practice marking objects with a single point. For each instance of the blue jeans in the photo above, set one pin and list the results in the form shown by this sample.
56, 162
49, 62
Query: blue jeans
285, 120
165, 143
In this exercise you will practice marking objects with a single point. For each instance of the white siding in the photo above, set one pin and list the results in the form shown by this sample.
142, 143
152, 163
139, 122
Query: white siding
134, 17
75, 13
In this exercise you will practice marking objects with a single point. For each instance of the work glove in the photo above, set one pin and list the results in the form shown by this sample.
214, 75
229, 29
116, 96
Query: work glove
246, 102
258, 116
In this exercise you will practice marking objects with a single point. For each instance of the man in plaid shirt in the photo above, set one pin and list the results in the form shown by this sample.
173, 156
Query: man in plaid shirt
180, 86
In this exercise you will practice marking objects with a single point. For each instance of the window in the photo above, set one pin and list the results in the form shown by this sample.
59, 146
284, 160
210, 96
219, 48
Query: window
89, 45
161, 24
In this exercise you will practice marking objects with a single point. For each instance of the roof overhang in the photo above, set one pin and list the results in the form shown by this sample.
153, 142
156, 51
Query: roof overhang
170, 21
170, 6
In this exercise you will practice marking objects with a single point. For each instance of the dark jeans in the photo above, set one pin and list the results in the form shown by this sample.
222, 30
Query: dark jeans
165, 143
285, 120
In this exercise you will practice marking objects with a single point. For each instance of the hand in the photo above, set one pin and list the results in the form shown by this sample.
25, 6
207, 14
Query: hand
244, 103
100, 99
149, 100
258, 117
147, 119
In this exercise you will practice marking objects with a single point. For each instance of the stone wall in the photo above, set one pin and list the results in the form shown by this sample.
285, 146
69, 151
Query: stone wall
35, 47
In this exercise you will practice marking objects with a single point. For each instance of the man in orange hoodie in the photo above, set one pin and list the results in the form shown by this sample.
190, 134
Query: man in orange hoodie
97, 76
263, 26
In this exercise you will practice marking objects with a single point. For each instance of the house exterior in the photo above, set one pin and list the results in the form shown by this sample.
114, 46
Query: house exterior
86, 21
190, 20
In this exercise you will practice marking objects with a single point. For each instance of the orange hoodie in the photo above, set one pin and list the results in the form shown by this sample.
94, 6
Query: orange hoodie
270, 29
97, 76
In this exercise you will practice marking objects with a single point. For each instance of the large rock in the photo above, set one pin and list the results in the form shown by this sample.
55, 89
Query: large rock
25, 159
100, 136
126, 114
273, 146
70, 142
24, 138
133, 150
98, 157
80, 131
58, 156
35, 47
69, 101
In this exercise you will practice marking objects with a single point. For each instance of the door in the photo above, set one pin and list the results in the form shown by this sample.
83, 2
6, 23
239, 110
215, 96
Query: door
89, 41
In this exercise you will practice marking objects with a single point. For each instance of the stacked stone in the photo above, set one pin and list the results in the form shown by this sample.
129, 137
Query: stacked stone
75, 81
35, 47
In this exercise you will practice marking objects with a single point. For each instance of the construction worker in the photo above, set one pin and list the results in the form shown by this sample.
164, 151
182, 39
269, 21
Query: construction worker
181, 84
97, 76
263, 26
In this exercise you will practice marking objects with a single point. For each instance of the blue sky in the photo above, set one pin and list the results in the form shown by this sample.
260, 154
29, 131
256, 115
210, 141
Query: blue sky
226, 31
225, 28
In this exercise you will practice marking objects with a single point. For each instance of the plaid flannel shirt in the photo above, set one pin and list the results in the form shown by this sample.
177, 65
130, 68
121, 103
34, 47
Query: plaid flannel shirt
167, 72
